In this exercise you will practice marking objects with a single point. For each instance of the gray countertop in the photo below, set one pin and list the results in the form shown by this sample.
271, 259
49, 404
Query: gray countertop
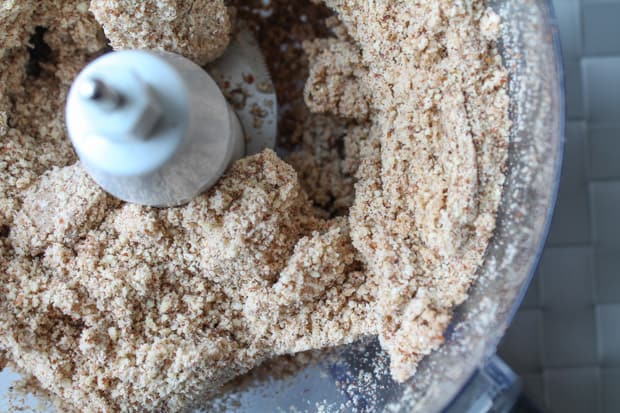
565, 340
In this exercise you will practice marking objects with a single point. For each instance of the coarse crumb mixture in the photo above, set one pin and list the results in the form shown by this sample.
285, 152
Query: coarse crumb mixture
199, 30
430, 175
395, 115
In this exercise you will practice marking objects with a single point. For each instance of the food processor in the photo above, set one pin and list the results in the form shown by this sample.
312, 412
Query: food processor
463, 374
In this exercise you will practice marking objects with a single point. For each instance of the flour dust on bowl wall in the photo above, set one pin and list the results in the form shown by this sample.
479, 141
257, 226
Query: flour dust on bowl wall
417, 163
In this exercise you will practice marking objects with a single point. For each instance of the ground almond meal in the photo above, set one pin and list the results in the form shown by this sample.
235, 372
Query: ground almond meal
395, 115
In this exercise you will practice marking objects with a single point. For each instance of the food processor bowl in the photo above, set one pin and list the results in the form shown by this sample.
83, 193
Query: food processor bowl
356, 377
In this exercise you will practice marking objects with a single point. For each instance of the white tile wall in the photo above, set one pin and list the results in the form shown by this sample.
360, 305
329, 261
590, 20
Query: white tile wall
601, 29
569, 338
605, 199
573, 390
601, 88
607, 277
604, 143
610, 390
565, 341
567, 284
597, 1
608, 323
534, 387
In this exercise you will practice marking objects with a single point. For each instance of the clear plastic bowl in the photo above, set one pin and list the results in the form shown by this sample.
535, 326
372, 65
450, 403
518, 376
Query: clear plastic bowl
356, 378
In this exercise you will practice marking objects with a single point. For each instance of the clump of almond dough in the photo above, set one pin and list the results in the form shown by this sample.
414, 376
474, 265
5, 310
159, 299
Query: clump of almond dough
431, 174
159, 306
197, 29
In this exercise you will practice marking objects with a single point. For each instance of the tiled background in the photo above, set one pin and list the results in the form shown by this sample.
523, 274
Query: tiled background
565, 340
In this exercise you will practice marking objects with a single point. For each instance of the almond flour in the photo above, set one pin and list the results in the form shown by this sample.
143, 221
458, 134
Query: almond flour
395, 119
